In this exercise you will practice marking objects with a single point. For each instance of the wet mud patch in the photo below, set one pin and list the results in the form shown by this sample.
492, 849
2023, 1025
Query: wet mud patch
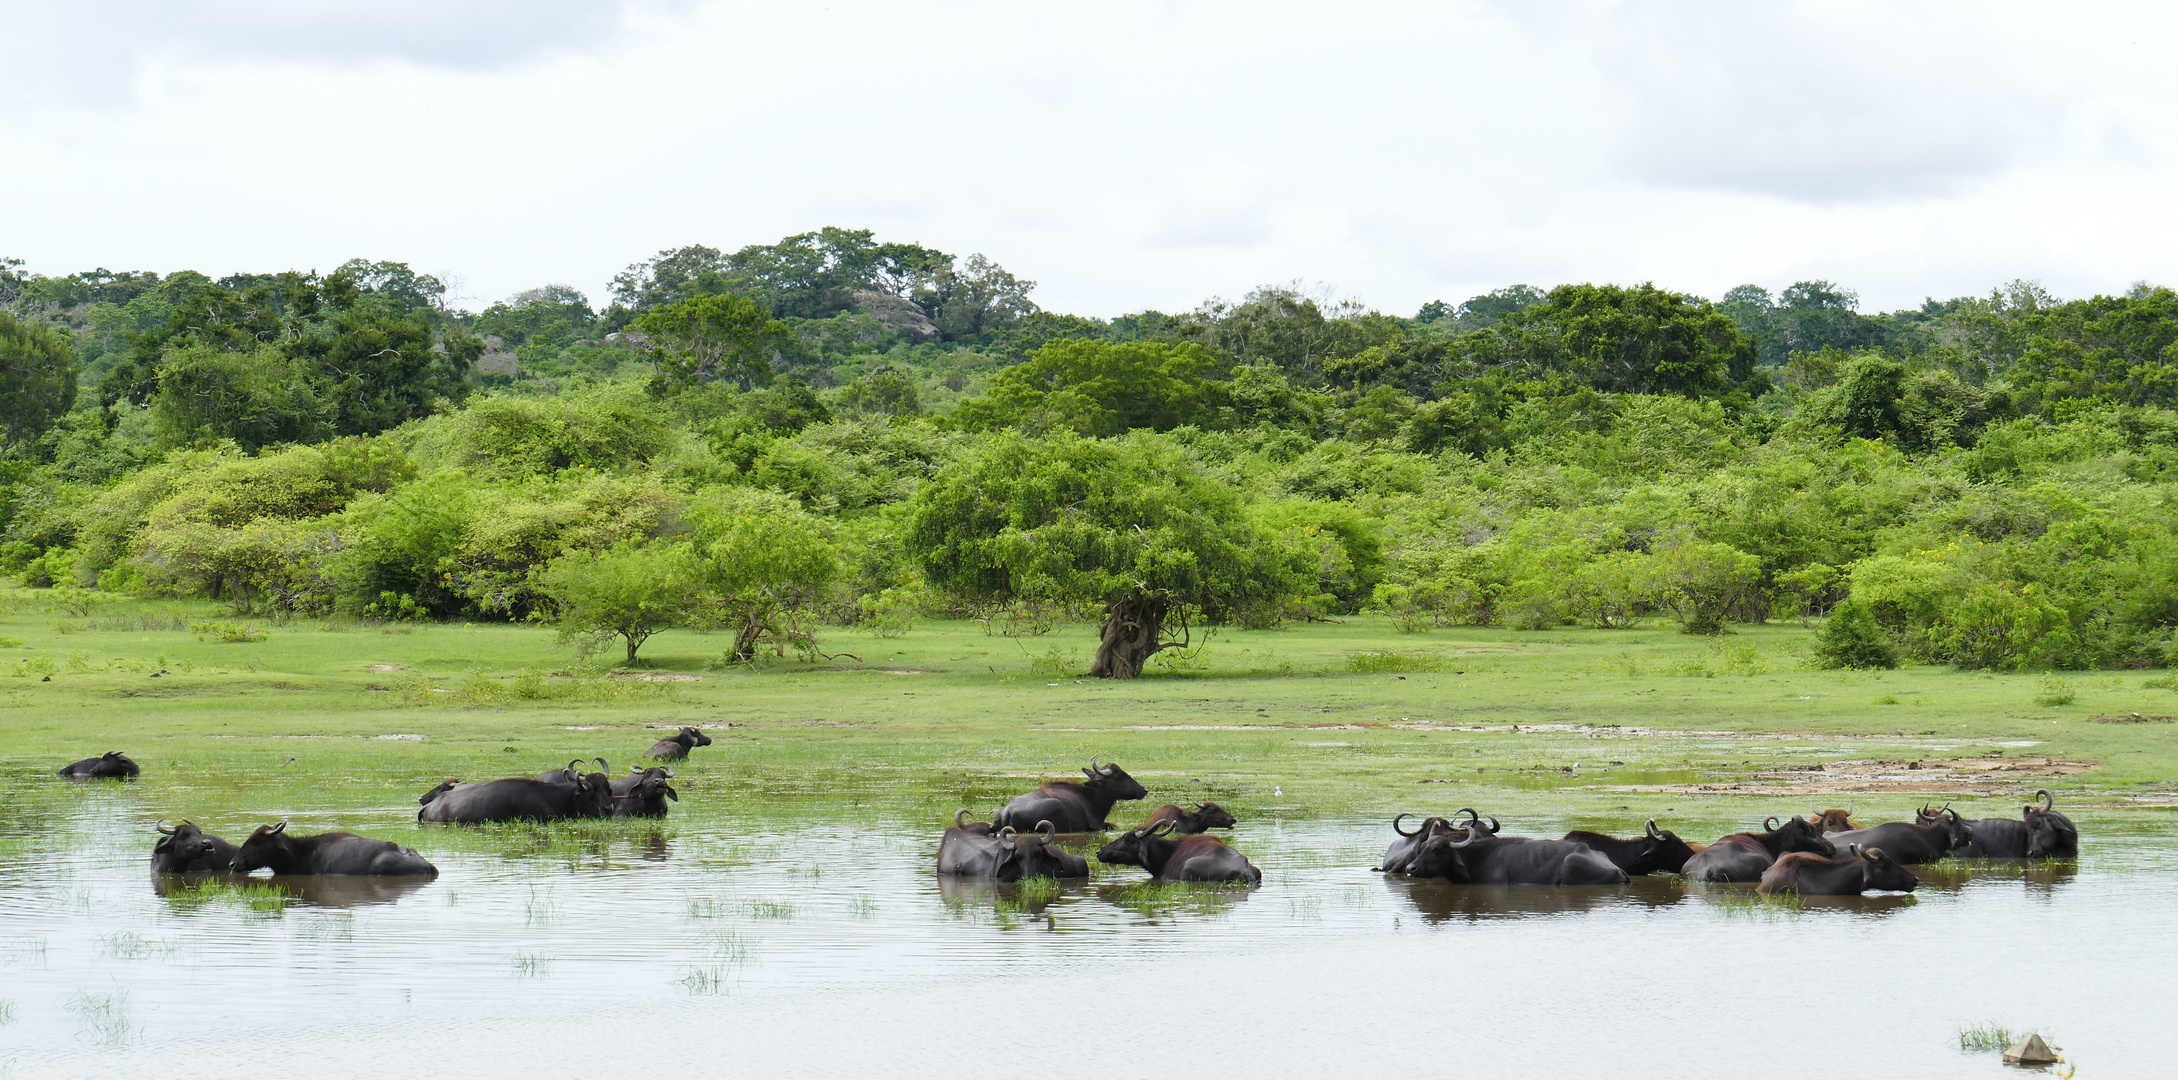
1966, 776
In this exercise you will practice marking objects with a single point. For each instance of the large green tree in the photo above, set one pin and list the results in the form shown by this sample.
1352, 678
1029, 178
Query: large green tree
1636, 340
1099, 388
629, 592
37, 380
1132, 524
710, 338
764, 563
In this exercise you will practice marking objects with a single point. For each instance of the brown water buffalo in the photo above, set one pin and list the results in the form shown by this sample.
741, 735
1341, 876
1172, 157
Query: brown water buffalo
675, 747
327, 853
1072, 806
112, 765
1656, 850
1834, 820
1007, 856
1858, 871
1929, 837
186, 849
1204, 817
1190, 858
1742, 857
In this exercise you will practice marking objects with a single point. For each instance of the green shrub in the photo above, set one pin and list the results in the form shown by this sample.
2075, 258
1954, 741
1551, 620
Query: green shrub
231, 633
1852, 639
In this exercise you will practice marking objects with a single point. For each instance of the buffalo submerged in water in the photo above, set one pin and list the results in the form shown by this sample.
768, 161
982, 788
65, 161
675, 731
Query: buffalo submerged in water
1399, 857
335, 853
1004, 855
644, 792
1484, 858
1655, 850
1859, 870
519, 798
1203, 818
2040, 833
1073, 806
1928, 837
1189, 858
111, 765
186, 849
1743, 857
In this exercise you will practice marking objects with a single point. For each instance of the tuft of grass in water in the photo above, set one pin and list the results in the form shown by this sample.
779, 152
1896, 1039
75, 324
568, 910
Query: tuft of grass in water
251, 897
1153, 898
128, 945
1036, 891
862, 907
1753, 905
533, 686
1992, 1038
530, 965
703, 980
730, 947
771, 909
27, 951
104, 1017
541, 908
1389, 661
7, 1012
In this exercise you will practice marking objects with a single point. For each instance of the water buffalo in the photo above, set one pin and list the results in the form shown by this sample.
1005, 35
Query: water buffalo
1860, 870
979, 828
1742, 857
1399, 857
327, 853
1834, 820
522, 799
186, 849
1487, 859
2044, 834
112, 765
1929, 837
573, 770
1657, 849
1204, 817
1007, 856
643, 792
1190, 858
1073, 806
676, 747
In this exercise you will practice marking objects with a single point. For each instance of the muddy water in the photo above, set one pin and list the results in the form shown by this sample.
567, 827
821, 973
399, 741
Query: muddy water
831, 950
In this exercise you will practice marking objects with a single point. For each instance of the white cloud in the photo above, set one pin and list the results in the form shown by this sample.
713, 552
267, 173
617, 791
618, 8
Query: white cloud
1123, 155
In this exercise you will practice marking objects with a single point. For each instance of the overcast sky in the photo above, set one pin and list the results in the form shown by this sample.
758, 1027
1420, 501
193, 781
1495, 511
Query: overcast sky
1122, 155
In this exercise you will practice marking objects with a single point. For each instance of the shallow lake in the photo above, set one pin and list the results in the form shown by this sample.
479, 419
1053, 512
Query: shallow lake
793, 946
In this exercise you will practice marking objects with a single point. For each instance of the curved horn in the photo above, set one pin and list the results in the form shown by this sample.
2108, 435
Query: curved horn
574, 767
1472, 817
280, 828
159, 827
1050, 831
1495, 828
1005, 838
601, 766
1954, 815
2048, 804
1472, 836
1769, 824
960, 818
1403, 832
1855, 849
1164, 828
1651, 830
1093, 766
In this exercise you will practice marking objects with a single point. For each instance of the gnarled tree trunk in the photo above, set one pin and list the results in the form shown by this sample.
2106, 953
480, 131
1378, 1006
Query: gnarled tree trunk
1132, 626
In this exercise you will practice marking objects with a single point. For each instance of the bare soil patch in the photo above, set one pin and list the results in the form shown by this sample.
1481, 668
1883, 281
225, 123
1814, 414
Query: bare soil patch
1966, 776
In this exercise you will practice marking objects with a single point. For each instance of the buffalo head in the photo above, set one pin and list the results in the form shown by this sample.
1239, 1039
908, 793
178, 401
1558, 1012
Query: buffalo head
258, 851
1666, 851
1834, 820
184, 843
1884, 873
1127, 850
1799, 834
1113, 781
694, 737
1209, 815
2050, 835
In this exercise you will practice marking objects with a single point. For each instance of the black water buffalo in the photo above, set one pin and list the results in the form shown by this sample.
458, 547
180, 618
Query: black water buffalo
1008, 856
1929, 837
112, 765
573, 770
336, 853
676, 747
1834, 820
1657, 849
980, 828
643, 792
522, 799
1190, 858
1487, 859
2044, 834
1072, 806
1860, 870
1204, 817
1399, 857
186, 849
1742, 857
446, 785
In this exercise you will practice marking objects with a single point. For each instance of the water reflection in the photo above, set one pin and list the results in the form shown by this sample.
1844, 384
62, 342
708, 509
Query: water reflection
1443, 901
187, 892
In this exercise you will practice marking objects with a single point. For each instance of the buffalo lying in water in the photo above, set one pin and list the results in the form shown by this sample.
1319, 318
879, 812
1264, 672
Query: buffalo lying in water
1479, 858
112, 765
186, 849
1190, 858
1073, 806
1203, 818
1860, 870
2043, 834
335, 853
571, 773
643, 792
1004, 855
1929, 837
520, 799
1399, 857
1656, 850
675, 747
1742, 857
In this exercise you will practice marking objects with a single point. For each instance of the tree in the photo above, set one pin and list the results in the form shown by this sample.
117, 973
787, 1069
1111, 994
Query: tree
1851, 639
630, 592
37, 381
256, 398
1638, 340
709, 338
1128, 523
1098, 388
763, 560
1701, 583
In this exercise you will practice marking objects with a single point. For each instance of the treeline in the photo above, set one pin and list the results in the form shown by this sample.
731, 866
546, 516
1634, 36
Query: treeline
830, 430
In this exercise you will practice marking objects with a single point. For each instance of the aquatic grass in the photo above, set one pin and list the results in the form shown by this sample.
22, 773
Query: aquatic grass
541, 908
103, 1017
248, 895
23, 951
1036, 890
729, 947
1152, 898
128, 945
1754, 905
863, 906
530, 965
7, 1011
1389, 661
772, 909
1987, 1037
703, 980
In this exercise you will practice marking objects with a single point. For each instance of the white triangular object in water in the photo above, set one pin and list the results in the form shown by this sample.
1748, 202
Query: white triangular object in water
2030, 1050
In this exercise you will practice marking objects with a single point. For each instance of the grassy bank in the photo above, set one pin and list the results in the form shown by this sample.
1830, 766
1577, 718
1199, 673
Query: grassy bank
1339, 719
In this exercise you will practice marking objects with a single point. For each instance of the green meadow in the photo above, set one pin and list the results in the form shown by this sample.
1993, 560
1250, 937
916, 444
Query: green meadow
338, 721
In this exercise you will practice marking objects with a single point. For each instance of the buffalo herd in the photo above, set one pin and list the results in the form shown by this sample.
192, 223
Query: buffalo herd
1819, 854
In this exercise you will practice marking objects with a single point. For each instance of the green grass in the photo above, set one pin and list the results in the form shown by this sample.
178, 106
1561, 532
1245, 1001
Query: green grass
1345, 718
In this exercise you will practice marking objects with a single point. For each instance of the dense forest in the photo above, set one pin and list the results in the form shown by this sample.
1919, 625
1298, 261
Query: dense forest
831, 431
